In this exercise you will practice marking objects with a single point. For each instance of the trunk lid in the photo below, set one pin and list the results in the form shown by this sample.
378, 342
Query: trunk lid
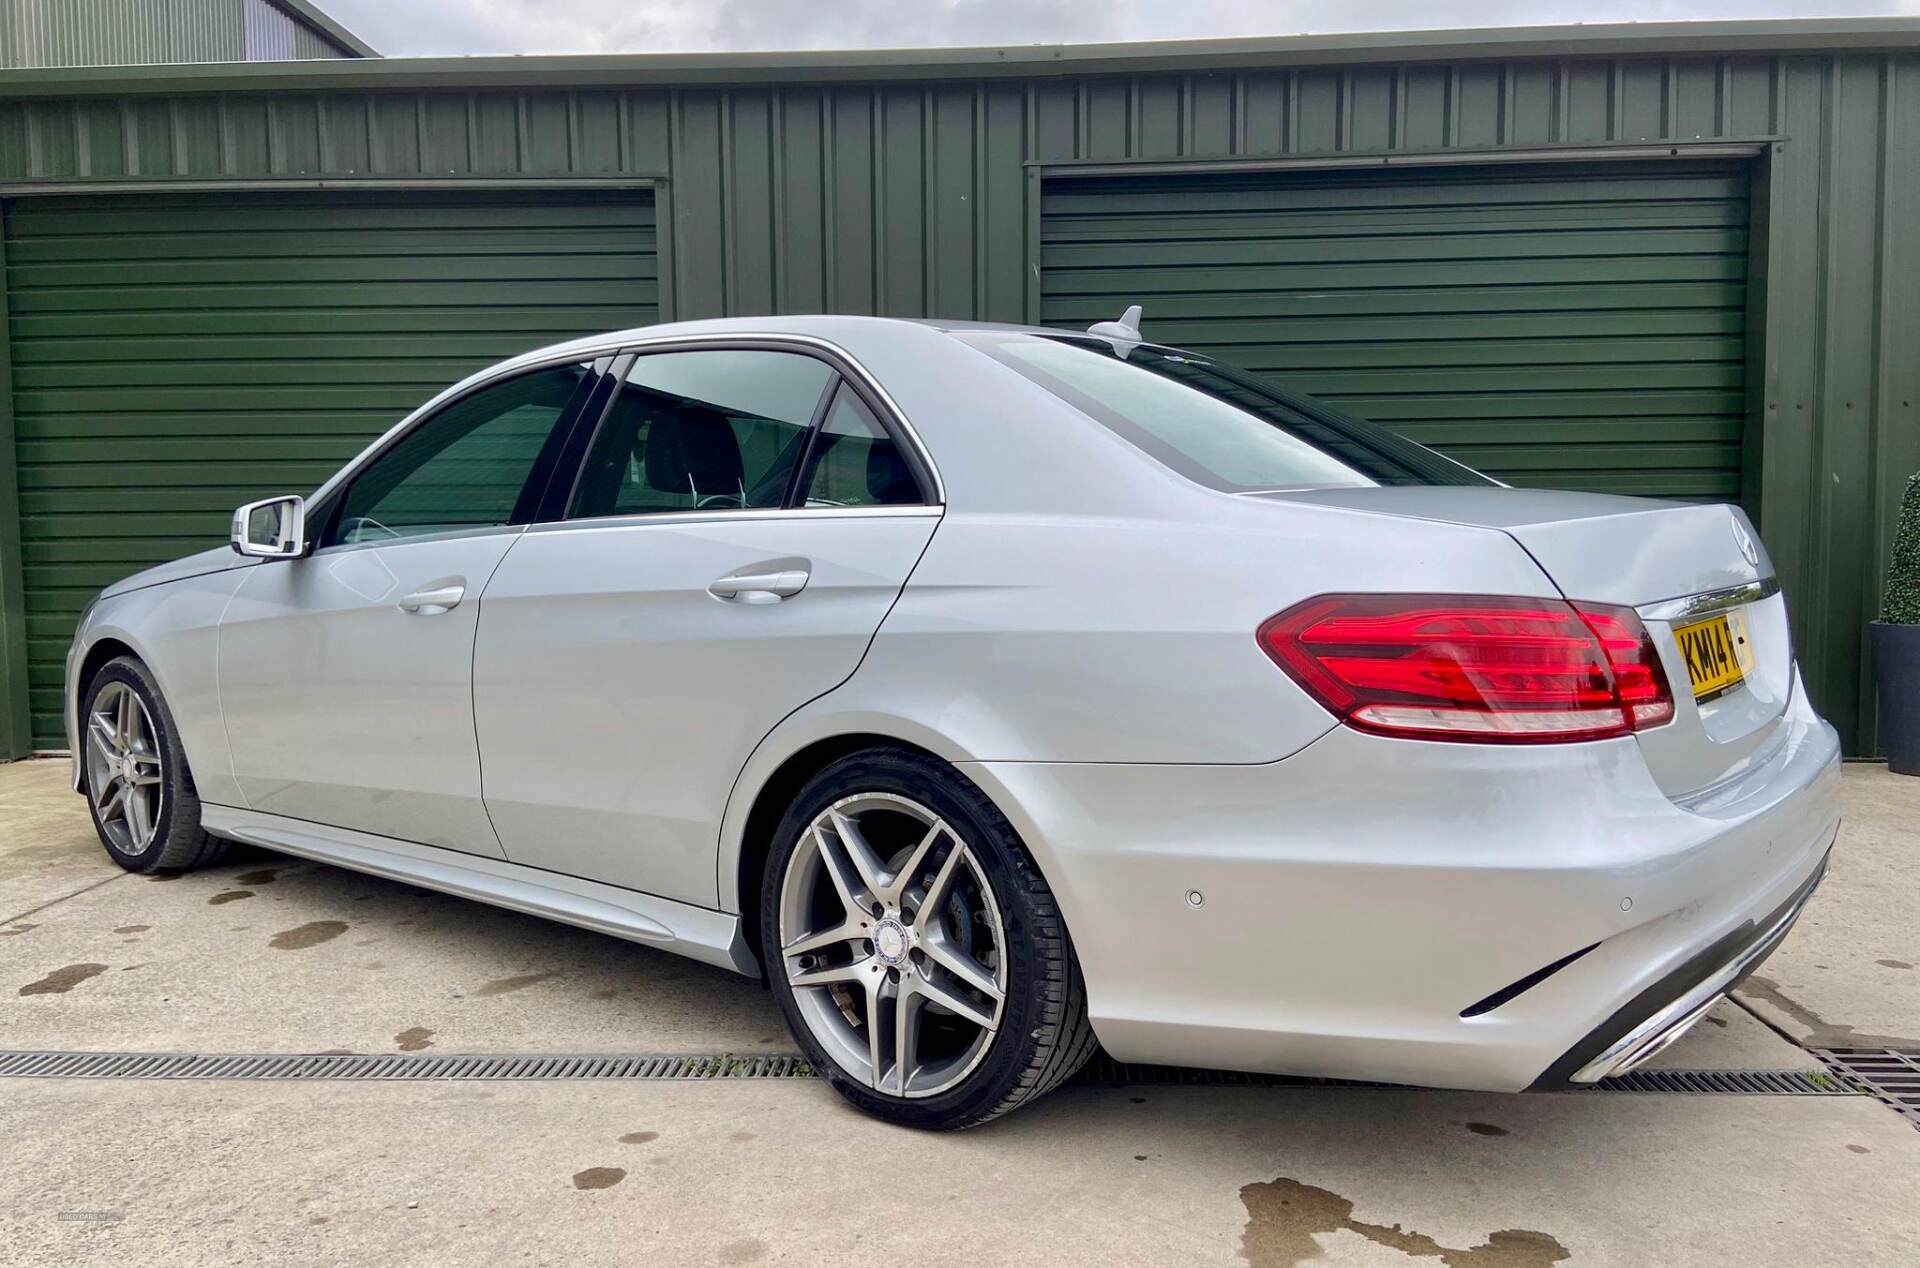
1684, 566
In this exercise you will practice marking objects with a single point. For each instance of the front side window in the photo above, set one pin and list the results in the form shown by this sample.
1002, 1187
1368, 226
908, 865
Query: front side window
854, 462
1216, 425
710, 429
469, 466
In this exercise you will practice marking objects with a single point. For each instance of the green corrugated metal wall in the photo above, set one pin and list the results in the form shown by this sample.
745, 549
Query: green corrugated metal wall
915, 199
175, 357
1558, 327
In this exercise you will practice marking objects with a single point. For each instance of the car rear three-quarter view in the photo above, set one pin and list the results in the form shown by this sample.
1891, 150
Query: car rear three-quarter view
998, 693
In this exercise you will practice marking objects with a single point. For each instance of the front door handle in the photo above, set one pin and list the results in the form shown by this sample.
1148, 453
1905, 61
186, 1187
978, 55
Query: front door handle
760, 587
435, 599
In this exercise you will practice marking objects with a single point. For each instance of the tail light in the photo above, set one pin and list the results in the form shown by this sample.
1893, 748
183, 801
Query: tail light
1490, 669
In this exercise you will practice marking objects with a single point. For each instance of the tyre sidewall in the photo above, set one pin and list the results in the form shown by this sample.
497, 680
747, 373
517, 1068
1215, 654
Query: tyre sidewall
999, 853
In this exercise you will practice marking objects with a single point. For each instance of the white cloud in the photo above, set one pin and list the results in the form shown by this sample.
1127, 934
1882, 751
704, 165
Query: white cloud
404, 28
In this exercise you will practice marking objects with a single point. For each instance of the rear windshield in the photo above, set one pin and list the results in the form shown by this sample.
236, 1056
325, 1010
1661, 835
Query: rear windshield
1215, 425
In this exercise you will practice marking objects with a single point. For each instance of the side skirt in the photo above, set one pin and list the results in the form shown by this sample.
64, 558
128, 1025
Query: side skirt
712, 937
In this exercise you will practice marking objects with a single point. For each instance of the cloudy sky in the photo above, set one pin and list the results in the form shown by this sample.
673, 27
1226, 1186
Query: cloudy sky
419, 28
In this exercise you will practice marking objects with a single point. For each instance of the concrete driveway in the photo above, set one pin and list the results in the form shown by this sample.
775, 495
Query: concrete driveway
272, 955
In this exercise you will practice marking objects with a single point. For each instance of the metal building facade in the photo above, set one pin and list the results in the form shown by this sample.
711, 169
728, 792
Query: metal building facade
45, 33
1764, 293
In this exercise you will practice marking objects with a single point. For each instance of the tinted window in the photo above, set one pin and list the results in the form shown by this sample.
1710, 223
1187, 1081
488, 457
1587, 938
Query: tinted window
466, 467
854, 462
706, 430
1217, 425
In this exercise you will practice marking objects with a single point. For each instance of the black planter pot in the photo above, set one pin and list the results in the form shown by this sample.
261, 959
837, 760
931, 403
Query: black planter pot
1896, 662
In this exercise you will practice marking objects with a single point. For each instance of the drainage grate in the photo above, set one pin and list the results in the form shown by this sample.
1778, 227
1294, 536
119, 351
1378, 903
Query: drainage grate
1101, 1071
395, 1066
1891, 1074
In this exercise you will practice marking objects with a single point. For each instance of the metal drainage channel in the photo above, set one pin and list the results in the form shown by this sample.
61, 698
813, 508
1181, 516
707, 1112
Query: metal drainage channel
1891, 1075
1102, 1071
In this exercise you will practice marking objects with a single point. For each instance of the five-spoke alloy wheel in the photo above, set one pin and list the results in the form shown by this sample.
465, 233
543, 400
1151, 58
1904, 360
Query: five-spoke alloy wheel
918, 954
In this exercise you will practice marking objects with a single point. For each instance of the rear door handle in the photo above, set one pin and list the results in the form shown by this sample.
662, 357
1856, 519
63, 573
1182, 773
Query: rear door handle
760, 587
435, 599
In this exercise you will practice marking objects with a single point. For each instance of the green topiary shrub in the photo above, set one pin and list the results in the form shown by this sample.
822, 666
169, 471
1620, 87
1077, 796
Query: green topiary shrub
1901, 604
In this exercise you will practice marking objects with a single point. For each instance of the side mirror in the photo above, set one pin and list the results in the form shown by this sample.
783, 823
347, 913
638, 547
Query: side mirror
273, 528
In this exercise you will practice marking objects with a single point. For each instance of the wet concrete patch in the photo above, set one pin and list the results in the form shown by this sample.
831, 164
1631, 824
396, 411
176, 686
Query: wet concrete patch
260, 876
747, 1250
1486, 1129
16, 930
1285, 1216
599, 1177
413, 1039
508, 985
311, 934
1821, 1032
639, 1138
1893, 964
133, 928
60, 981
226, 896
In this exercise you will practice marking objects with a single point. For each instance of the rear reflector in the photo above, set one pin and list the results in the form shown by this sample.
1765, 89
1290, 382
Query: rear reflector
1490, 669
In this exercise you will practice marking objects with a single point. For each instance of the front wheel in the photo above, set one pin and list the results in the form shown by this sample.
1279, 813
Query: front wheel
918, 954
135, 774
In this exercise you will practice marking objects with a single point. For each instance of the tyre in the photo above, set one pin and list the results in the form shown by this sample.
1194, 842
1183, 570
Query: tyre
135, 774
919, 956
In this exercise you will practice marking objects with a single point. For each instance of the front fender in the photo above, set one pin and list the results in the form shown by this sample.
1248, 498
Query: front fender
174, 629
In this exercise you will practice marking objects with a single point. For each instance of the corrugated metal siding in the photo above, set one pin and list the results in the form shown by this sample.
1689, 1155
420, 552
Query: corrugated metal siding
1574, 328
913, 199
175, 357
270, 32
119, 32
275, 35
309, 44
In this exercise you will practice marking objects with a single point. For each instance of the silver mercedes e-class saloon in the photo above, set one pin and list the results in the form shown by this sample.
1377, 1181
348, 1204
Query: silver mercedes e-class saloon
998, 692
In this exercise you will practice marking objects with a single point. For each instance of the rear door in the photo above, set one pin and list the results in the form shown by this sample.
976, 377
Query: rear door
741, 524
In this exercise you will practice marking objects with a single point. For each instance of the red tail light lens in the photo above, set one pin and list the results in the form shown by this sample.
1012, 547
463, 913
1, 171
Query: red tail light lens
1490, 669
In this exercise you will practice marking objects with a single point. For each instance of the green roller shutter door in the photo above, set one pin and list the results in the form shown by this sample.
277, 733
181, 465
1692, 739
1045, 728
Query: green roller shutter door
175, 356
1558, 327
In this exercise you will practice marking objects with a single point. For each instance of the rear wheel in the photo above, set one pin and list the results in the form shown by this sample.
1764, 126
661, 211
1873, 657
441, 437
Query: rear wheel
138, 787
918, 954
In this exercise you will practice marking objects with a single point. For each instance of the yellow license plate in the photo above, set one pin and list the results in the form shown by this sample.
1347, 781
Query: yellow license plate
1717, 653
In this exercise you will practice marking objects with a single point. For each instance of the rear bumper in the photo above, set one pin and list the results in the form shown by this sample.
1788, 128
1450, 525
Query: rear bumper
1341, 912
1669, 1008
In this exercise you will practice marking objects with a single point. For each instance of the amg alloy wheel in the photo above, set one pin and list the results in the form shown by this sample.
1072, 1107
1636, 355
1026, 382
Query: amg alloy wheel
123, 768
135, 774
894, 946
918, 954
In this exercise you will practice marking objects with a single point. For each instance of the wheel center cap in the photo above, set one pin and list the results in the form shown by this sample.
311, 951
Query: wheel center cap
890, 941
126, 769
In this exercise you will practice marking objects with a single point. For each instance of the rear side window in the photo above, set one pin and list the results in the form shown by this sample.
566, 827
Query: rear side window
712, 429
1215, 425
854, 462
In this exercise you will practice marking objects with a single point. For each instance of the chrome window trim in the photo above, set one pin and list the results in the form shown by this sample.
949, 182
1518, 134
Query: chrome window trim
1707, 604
403, 539
590, 352
735, 514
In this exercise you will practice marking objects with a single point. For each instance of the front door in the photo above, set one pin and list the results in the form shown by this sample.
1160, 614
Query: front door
346, 677
740, 528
